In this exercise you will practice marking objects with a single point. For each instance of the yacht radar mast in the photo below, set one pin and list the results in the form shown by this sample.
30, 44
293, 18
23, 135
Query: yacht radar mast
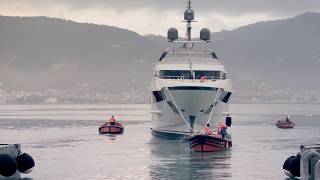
173, 35
189, 17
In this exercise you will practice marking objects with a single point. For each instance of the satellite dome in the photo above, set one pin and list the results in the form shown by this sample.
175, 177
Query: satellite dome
189, 15
172, 34
205, 34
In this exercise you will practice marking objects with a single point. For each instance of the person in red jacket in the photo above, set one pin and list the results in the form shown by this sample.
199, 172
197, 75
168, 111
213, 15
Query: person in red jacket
112, 120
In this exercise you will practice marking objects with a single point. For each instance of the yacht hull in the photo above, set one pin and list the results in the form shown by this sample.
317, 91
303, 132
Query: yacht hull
170, 134
183, 108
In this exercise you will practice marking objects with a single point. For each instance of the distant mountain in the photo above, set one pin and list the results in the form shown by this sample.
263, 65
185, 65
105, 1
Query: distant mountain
285, 52
40, 53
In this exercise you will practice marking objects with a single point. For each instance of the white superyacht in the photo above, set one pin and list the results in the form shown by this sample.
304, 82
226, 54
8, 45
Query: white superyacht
190, 87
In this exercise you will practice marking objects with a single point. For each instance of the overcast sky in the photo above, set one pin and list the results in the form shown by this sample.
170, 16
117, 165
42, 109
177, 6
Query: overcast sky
156, 16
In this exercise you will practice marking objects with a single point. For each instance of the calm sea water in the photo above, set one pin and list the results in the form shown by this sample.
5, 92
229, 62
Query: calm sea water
64, 141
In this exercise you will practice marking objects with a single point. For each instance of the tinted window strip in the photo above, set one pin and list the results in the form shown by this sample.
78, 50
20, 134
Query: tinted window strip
192, 88
158, 96
226, 97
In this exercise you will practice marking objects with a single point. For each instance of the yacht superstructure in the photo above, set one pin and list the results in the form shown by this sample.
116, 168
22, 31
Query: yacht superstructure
190, 87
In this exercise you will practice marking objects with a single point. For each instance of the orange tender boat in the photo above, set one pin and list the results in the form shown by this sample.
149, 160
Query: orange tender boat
283, 124
209, 143
111, 128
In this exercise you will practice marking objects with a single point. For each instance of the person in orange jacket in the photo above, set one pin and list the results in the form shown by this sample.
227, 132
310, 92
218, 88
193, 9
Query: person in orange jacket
207, 129
112, 120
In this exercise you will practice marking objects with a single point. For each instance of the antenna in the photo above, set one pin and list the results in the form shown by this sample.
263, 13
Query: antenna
205, 34
189, 17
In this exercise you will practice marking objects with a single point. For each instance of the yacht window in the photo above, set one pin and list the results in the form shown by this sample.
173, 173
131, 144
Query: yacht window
158, 95
208, 74
175, 74
225, 96
184, 74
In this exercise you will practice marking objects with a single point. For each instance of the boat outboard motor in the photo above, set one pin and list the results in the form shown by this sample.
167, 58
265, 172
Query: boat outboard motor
292, 166
228, 121
25, 163
172, 34
205, 34
8, 165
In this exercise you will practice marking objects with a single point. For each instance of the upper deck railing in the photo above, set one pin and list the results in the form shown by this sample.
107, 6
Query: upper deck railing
185, 52
190, 52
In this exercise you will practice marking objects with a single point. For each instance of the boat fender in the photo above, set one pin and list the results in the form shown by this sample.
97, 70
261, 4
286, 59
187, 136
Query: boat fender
287, 162
8, 166
294, 166
163, 55
228, 121
25, 163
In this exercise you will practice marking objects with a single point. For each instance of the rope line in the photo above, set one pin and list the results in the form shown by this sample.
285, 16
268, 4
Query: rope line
174, 103
213, 107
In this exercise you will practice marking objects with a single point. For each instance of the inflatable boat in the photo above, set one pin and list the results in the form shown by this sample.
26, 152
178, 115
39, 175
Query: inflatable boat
111, 128
209, 143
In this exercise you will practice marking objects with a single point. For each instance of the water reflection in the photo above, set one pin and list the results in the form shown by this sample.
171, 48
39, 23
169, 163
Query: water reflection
66, 147
171, 159
110, 136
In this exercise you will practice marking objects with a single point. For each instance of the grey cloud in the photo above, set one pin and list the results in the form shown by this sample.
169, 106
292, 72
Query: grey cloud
216, 14
226, 7
235, 7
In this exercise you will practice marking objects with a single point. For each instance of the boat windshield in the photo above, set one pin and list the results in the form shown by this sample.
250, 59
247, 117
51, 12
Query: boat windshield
187, 74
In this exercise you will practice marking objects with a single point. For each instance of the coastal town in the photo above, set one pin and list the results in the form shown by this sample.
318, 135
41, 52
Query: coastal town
260, 93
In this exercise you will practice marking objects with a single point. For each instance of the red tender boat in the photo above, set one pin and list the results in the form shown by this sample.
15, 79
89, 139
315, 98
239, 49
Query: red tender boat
209, 143
111, 128
283, 124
